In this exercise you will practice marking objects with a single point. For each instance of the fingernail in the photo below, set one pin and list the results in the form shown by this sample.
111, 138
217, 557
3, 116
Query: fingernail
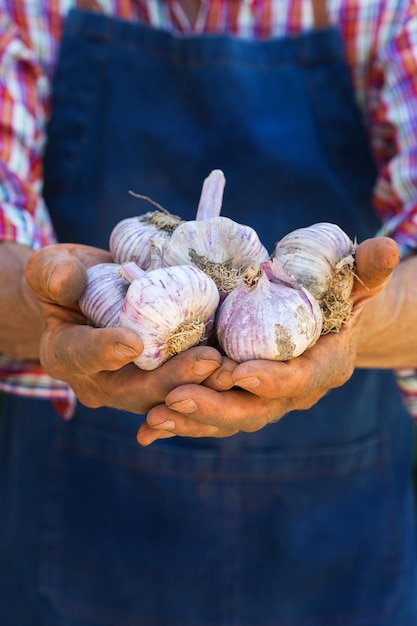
203, 367
248, 383
167, 425
224, 379
185, 406
49, 275
125, 351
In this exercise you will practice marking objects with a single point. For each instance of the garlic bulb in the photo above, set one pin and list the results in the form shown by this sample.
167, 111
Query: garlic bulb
268, 316
219, 246
103, 296
130, 238
172, 309
321, 258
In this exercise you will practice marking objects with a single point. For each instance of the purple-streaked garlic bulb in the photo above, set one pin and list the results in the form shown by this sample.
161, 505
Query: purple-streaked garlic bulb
219, 246
172, 309
321, 258
103, 296
268, 316
130, 239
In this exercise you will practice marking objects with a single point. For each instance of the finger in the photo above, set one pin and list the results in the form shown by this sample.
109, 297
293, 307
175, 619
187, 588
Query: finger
140, 391
147, 435
272, 379
183, 428
265, 379
376, 259
163, 419
192, 366
57, 273
189, 367
89, 350
221, 379
229, 411
106, 375
328, 364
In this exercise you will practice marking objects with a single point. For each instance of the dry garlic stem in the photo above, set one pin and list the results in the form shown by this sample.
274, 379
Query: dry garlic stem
321, 258
211, 197
219, 246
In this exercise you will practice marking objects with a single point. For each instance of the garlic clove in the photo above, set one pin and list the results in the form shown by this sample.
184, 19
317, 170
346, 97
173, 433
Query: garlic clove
103, 296
219, 246
267, 318
130, 239
321, 258
172, 309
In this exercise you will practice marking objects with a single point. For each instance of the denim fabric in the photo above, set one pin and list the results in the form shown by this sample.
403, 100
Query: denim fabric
309, 522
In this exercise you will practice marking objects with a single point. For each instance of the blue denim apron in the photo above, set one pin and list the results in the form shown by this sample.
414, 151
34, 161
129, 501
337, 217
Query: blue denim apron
308, 522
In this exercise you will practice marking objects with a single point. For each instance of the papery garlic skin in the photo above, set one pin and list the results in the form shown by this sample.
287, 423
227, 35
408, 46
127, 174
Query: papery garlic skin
104, 294
157, 247
321, 258
219, 246
267, 319
130, 239
171, 309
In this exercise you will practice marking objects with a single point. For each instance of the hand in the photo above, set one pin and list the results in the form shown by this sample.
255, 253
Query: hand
248, 396
97, 363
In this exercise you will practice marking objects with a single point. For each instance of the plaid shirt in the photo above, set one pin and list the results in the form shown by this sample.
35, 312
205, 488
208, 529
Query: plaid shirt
381, 48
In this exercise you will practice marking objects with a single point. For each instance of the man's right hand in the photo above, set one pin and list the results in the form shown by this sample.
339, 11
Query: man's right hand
98, 363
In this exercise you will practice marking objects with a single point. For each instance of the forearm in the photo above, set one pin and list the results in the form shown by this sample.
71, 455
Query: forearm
20, 320
388, 337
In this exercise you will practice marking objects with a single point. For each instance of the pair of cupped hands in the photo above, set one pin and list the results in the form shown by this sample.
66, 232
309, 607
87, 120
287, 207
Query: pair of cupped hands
198, 393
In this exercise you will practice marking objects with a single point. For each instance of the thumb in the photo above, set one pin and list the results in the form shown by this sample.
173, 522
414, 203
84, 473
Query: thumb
376, 259
58, 274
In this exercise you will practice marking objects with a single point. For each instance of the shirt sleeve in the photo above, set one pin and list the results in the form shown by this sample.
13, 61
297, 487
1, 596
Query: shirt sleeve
395, 134
24, 97
395, 194
24, 219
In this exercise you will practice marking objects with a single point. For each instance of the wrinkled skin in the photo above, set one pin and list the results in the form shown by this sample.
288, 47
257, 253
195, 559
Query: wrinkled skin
198, 393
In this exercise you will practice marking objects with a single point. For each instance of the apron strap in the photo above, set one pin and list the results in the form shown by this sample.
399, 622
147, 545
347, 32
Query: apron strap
320, 13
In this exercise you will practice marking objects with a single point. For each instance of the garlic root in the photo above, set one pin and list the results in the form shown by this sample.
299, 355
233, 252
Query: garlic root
188, 333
